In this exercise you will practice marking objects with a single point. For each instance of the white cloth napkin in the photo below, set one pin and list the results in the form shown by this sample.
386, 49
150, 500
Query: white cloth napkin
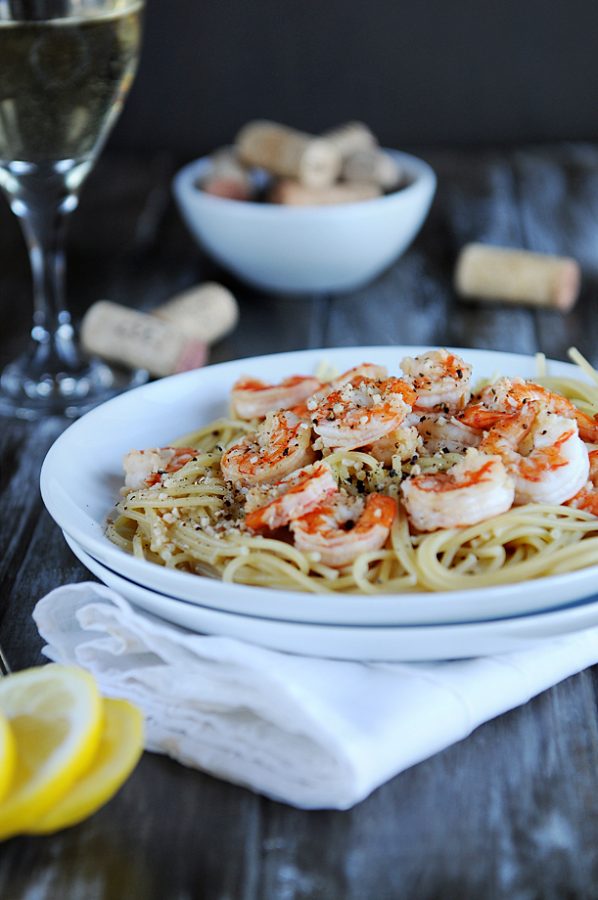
314, 733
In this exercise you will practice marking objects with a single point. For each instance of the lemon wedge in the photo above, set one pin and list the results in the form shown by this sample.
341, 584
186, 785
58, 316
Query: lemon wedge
55, 715
8, 755
121, 745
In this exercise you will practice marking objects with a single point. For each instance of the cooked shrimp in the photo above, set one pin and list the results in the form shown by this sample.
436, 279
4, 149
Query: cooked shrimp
290, 498
403, 443
543, 452
340, 529
441, 432
480, 418
370, 371
301, 411
364, 370
441, 380
361, 412
509, 395
144, 468
474, 489
587, 498
280, 445
253, 399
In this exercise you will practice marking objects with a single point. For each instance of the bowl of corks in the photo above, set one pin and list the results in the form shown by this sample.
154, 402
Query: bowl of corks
293, 213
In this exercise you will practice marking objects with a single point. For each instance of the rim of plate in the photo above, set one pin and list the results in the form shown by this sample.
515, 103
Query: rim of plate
404, 621
369, 643
74, 516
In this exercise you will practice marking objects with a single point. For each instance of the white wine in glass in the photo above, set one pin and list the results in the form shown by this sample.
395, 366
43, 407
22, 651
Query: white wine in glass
65, 69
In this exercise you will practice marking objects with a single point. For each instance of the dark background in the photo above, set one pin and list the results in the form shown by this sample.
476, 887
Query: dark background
434, 72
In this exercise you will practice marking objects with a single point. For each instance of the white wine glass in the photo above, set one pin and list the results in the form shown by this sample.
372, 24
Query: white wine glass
66, 67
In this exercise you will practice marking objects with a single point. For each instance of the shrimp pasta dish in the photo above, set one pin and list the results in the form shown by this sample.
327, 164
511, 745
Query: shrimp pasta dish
370, 481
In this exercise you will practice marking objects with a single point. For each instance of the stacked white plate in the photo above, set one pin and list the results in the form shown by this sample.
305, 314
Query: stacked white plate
80, 484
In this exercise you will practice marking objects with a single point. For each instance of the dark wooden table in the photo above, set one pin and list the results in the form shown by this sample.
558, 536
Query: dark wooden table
511, 812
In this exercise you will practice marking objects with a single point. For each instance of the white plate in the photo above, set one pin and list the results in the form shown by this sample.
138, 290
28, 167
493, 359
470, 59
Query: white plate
354, 642
82, 474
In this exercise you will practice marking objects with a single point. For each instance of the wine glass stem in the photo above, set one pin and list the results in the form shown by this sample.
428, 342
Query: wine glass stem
44, 227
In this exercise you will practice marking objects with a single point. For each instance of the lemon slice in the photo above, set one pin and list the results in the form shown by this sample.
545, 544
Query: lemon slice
8, 755
121, 745
55, 715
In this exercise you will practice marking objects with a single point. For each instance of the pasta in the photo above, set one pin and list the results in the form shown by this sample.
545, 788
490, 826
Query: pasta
193, 519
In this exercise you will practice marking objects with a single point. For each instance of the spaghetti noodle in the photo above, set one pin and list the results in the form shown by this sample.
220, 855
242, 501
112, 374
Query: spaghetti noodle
194, 520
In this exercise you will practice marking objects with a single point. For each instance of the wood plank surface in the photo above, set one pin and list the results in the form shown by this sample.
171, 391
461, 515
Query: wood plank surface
511, 812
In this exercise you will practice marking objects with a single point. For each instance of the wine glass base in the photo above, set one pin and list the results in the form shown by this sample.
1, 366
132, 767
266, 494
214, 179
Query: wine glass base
64, 394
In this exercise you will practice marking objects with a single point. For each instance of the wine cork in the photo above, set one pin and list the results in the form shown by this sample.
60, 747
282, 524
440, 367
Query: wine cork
139, 341
291, 193
205, 313
353, 137
282, 151
373, 167
226, 177
517, 276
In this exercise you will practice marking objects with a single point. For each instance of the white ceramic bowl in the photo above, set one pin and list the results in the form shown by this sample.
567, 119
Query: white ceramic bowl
384, 643
82, 473
297, 250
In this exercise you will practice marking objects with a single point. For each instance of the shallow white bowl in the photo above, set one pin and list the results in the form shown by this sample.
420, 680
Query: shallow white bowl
309, 249
384, 643
82, 474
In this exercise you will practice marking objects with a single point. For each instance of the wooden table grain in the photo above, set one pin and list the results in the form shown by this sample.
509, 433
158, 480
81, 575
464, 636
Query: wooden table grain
511, 812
